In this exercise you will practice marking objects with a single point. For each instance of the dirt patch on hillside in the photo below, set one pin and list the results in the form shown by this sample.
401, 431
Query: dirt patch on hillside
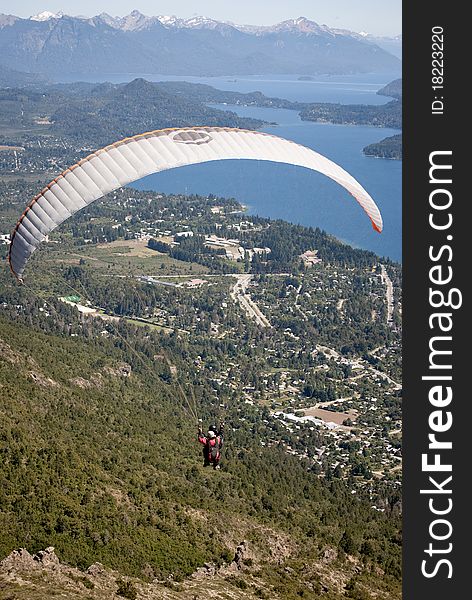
17, 358
119, 370
94, 381
330, 416
10, 355
41, 379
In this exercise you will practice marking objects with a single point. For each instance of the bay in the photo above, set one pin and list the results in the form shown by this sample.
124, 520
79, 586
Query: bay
346, 89
300, 196
291, 193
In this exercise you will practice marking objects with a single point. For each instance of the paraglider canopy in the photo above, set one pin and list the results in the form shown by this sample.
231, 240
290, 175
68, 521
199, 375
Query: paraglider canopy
136, 157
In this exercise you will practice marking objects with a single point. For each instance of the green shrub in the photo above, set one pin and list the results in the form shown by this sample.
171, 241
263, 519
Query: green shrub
127, 590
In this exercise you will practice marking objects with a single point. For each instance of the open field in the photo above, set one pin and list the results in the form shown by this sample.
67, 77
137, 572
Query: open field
124, 257
133, 248
329, 416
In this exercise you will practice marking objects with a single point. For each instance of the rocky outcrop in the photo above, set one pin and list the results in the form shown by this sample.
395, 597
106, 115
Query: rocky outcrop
42, 575
120, 370
94, 381
21, 560
41, 379
18, 560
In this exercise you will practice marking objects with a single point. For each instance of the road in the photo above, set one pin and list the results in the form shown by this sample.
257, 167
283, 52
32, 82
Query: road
358, 363
239, 294
297, 306
388, 293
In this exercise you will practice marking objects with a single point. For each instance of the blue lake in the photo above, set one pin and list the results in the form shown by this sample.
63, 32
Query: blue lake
347, 89
291, 193
301, 196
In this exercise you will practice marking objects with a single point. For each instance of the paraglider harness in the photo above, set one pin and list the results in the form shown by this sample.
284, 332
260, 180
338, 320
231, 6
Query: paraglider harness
212, 447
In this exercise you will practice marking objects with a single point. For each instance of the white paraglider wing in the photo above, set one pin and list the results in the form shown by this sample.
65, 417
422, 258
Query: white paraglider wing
133, 158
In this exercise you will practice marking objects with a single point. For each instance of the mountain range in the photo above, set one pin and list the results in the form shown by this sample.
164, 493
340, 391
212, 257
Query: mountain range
52, 44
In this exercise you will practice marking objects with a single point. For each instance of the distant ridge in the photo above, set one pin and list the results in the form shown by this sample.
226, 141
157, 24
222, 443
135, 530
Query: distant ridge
12, 78
53, 42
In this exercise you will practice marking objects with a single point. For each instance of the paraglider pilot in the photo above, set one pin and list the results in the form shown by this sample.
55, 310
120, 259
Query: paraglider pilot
212, 444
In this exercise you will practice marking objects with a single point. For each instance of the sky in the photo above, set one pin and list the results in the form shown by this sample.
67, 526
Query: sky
379, 17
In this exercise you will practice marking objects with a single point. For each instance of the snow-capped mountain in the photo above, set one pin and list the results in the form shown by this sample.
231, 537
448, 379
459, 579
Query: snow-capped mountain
393, 45
300, 25
136, 21
136, 43
170, 21
46, 16
201, 23
7, 20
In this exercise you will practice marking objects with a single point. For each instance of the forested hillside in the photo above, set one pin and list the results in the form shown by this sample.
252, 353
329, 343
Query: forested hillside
98, 429
104, 466
146, 311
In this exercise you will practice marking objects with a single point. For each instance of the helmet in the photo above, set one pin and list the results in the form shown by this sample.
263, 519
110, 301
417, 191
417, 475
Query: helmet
211, 434
213, 428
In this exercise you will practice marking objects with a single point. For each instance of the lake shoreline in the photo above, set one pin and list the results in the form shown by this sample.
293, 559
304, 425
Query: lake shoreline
279, 191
